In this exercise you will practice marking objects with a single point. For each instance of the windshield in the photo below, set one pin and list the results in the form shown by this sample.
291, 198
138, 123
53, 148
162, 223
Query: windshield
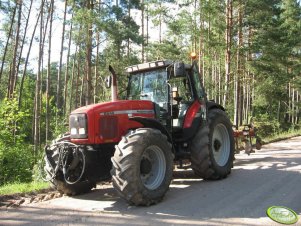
149, 85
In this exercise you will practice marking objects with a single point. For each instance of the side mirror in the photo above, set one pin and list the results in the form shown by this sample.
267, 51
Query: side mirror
108, 81
179, 69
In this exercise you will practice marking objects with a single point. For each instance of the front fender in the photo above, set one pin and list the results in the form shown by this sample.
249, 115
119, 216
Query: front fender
152, 123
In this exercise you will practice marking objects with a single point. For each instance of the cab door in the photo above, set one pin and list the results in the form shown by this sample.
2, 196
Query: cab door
197, 110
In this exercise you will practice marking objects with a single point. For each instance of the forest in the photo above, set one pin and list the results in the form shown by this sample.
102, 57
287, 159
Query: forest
54, 57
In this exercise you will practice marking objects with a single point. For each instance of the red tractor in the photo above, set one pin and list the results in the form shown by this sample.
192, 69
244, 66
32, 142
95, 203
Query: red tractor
165, 118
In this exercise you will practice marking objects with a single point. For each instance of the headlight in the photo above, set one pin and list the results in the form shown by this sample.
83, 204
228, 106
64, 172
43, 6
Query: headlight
82, 131
78, 126
73, 131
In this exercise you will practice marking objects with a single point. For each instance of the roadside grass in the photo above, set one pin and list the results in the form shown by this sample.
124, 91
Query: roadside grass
21, 188
281, 136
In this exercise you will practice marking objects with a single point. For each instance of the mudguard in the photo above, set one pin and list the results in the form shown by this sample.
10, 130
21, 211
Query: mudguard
152, 123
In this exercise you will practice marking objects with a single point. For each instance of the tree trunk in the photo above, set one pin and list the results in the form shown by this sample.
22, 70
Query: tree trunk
72, 79
160, 22
89, 85
13, 74
83, 97
147, 31
38, 87
96, 68
228, 35
26, 61
289, 103
297, 107
48, 79
209, 67
9, 78
77, 79
219, 80
58, 87
293, 106
239, 74
7, 41
24, 38
247, 92
251, 76
129, 40
142, 31
67, 70
195, 37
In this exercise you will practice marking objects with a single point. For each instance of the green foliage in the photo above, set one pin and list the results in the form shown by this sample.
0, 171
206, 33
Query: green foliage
38, 172
166, 50
16, 163
282, 135
59, 127
266, 125
10, 118
16, 158
276, 46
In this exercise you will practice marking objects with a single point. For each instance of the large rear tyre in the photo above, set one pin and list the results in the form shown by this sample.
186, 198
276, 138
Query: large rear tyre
142, 167
212, 149
57, 179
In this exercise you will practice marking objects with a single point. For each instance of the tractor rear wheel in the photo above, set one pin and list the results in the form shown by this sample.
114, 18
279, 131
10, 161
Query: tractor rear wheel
58, 182
212, 149
142, 166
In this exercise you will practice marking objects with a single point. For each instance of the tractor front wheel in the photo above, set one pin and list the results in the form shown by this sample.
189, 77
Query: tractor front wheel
142, 166
57, 179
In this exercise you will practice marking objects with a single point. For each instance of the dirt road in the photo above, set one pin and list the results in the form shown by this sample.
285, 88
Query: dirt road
271, 176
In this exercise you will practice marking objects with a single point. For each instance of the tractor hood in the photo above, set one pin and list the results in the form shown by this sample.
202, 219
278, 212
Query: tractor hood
107, 122
109, 107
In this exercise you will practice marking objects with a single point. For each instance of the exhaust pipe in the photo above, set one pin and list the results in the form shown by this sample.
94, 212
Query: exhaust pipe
114, 85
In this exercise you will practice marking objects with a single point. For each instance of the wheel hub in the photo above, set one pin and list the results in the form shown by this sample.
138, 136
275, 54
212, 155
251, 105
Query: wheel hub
217, 145
221, 144
152, 167
145, 166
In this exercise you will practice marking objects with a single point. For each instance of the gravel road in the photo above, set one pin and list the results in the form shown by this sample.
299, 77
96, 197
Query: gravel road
271, 176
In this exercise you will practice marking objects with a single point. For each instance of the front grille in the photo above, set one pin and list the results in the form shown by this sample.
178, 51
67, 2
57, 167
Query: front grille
108, 127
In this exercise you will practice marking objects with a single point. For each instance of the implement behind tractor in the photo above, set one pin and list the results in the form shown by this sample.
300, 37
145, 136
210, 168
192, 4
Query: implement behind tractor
166, 117
245, 135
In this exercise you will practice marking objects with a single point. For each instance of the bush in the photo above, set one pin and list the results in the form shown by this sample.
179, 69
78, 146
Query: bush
15, 163
266, 126
16, 158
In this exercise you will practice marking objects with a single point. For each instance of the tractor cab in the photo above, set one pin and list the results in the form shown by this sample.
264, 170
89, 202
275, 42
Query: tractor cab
176, 90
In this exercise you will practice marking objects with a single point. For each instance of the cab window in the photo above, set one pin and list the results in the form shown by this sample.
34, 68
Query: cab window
196, 79
149, 85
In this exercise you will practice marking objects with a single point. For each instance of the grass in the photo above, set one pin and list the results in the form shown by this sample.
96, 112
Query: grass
282, 136
19, 188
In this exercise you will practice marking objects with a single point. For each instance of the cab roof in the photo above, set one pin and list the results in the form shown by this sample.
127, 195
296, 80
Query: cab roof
151, 65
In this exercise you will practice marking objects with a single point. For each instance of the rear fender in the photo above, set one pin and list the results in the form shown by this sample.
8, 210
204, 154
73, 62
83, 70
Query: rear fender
212, 105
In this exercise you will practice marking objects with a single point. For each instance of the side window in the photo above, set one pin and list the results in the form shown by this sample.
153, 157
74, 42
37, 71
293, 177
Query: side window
160, 88
196, 79
135, 87
182, 86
